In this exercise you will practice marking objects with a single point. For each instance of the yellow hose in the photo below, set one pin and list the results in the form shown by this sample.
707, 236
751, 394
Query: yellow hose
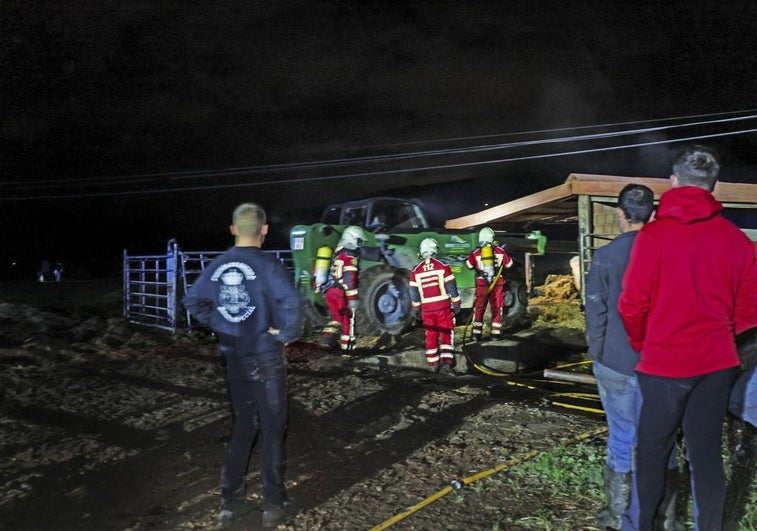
458, 484
580, 396
580, 408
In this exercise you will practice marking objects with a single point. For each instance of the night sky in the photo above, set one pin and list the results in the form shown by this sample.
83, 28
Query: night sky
127, 123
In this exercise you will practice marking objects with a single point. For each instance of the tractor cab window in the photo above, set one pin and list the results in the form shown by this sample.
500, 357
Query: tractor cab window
355, 216
331, 215
396, 215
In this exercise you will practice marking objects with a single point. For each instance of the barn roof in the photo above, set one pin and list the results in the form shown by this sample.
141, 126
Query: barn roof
559, 204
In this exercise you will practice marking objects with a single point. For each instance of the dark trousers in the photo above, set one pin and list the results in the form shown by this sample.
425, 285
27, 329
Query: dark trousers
258, 395
698, 406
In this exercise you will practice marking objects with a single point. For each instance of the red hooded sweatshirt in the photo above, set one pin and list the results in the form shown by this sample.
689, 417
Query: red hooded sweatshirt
690, 287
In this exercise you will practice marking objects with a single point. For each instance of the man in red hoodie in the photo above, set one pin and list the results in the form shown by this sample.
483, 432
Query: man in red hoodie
690, 287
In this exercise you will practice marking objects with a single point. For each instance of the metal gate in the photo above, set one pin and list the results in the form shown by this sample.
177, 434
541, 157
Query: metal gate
155, 284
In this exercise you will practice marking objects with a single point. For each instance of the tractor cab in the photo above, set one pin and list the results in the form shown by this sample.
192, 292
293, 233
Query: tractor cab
378, 214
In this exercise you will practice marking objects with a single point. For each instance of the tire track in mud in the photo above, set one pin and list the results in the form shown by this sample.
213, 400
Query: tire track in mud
135, 439
74, 433
372, 433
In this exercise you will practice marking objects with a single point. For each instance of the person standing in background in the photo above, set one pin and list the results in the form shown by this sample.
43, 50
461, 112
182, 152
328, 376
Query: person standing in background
341, 290
488, 261
434, 296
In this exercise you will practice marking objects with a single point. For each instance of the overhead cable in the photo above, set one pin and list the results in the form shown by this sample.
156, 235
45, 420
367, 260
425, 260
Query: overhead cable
384, 172
341, 162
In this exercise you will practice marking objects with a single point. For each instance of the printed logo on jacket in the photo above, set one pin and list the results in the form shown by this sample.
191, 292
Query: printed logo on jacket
233, 297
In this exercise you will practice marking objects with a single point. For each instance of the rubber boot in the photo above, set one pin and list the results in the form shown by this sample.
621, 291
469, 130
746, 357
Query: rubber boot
666, 513
618, 492
743, 464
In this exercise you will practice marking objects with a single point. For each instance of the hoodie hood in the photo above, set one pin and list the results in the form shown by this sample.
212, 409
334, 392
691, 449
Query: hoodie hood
688, 204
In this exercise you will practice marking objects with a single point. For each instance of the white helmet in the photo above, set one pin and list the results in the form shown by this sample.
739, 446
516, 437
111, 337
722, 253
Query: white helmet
429, 247
485, 235
352, 238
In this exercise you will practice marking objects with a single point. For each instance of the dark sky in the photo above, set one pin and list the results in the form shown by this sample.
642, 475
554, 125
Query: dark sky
121, 119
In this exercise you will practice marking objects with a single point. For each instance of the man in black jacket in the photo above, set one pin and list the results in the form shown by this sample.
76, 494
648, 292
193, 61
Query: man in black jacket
248, 299
614, 360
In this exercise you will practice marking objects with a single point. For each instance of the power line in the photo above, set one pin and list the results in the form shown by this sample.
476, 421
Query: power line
574, 128
385, 172
341, 162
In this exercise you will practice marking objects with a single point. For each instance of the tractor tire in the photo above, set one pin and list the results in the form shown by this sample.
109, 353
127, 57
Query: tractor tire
385, 306
516, 302
317, 314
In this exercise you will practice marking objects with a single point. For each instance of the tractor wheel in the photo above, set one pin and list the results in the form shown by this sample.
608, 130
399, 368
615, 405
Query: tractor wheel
516, 301
314, 307
384, 302
317, 314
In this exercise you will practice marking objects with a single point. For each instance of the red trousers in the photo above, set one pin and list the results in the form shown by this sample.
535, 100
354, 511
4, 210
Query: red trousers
341, 315
496, 300
440, 332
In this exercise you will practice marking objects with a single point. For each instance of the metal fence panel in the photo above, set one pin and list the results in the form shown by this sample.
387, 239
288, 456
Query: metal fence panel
149, 294
155, 284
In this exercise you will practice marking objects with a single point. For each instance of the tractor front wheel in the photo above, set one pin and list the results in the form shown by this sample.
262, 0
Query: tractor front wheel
516, 302
385, 306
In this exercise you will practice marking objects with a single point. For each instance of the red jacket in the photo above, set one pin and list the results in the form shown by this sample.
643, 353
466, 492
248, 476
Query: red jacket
433, 286
344, 271
690, 286
501, 259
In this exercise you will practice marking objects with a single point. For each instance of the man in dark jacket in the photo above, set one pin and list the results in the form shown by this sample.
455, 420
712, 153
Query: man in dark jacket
614, 361
690, 286
248, 299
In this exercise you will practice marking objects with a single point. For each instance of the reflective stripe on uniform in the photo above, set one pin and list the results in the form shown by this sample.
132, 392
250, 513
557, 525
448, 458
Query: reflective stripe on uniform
432, 356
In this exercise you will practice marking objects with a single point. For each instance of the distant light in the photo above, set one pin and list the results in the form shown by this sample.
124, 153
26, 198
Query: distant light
486, 204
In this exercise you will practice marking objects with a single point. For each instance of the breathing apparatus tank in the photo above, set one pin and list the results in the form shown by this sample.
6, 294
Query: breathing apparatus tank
321, 267
487, 260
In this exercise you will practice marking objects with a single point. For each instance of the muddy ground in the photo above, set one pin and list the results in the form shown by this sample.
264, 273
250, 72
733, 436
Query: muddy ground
105, 425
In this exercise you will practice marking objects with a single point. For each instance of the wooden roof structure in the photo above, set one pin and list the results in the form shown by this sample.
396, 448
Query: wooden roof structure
560, 203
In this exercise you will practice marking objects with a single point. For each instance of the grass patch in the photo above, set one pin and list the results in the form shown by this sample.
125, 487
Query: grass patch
574, 469
570, 478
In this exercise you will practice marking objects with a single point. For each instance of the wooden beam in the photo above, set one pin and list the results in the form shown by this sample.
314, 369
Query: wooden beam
537, 205
736, 192
611, 185
507, 210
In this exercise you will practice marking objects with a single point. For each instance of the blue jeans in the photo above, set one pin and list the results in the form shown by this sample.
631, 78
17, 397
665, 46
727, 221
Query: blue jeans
617, 392
743, 400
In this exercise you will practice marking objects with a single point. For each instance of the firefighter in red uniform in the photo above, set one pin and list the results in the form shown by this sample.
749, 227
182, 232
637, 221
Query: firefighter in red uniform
433, 292
488, 261
341, 290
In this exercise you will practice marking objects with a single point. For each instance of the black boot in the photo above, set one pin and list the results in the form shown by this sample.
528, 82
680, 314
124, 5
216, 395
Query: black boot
618, 492
743, 464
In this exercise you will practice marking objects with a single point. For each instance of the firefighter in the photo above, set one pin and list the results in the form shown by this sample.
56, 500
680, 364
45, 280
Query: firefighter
435, 301
341, 290
488, 260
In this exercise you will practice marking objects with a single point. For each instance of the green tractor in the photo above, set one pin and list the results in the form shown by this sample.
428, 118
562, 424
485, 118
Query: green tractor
395, 227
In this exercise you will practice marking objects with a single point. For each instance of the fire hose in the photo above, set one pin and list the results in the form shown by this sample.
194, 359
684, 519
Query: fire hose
457, 484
